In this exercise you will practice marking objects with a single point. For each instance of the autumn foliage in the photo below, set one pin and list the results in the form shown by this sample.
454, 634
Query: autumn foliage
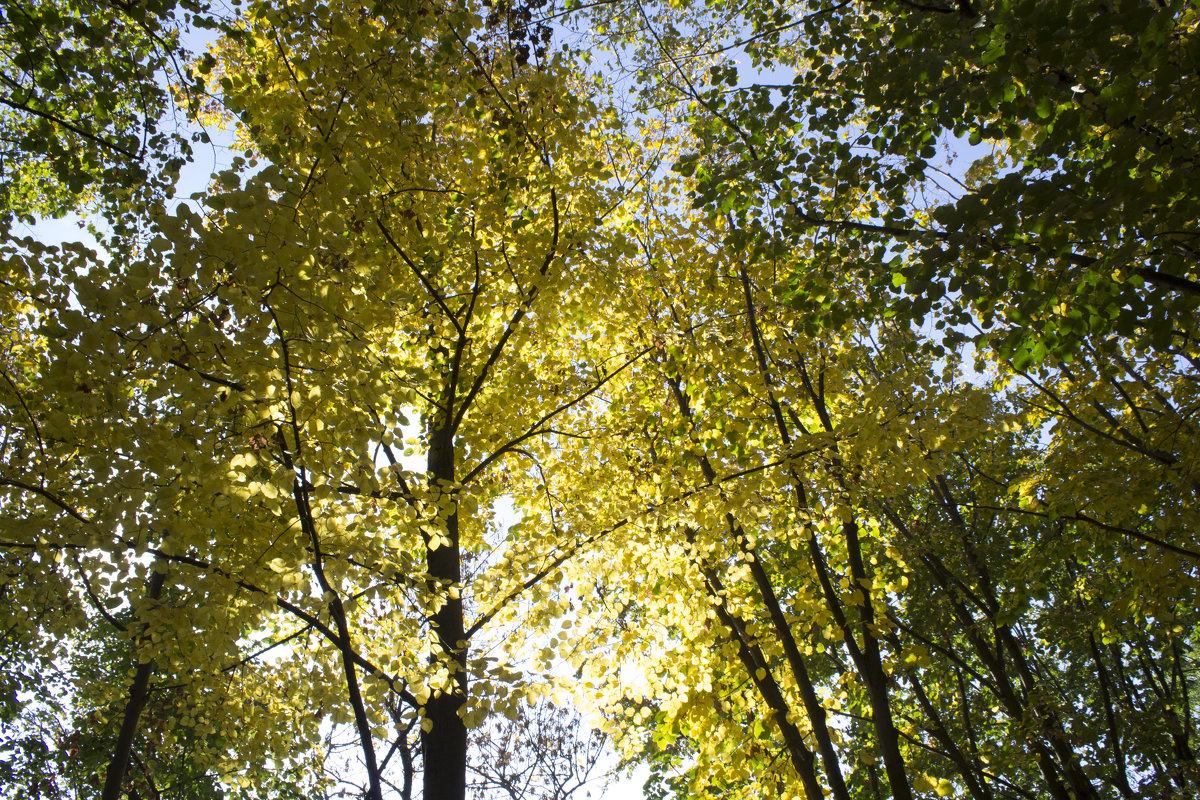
807, 394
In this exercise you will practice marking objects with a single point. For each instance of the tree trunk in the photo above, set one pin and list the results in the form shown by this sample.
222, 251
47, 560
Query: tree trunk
445, 744
138, 692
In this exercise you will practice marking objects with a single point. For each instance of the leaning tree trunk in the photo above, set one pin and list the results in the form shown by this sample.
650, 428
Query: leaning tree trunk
118, 765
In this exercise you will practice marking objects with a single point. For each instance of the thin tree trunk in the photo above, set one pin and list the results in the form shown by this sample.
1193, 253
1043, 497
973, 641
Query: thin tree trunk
1120, 768
118, 765
752, 658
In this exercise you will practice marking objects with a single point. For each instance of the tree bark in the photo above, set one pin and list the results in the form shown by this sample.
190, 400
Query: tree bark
118, 765
445, 743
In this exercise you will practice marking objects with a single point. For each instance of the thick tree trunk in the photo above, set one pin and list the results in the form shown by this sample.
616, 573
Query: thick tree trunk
445, 744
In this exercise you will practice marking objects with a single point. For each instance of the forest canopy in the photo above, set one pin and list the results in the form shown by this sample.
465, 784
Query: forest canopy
799, 399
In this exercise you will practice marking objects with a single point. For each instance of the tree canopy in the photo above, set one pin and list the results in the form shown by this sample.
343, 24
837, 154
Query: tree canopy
807, 394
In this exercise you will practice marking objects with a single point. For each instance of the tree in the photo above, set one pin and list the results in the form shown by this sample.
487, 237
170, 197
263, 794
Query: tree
83, 97
787, 171
426, 195
545, 752
815, 466
891, 609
